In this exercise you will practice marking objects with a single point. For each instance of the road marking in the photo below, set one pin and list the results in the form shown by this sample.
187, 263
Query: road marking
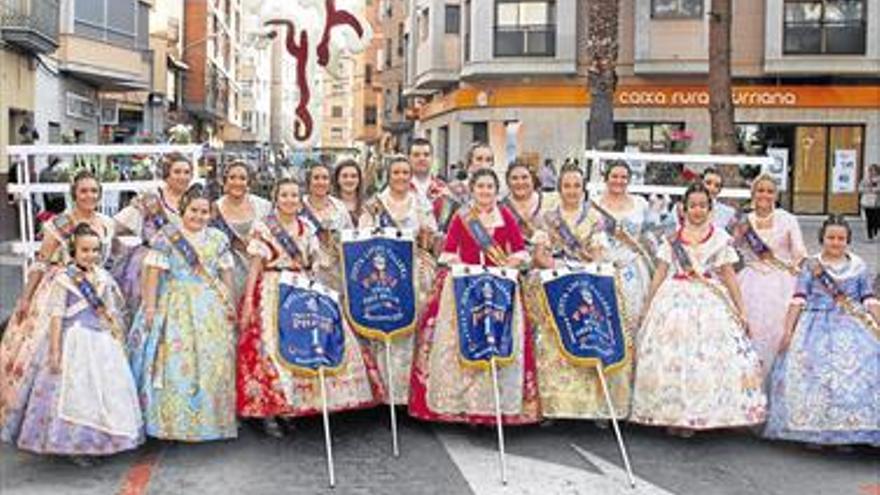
137, 479
479, 467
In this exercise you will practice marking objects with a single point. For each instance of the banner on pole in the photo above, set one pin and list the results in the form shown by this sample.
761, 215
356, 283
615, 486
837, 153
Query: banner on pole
484, 304
310, 333
379, 281
583, 313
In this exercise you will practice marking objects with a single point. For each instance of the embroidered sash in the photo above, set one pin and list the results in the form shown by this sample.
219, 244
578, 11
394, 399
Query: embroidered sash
572, 246
525, 225
283, 238
446, 212
478, 231
761, 249
88, 292
381, 215
220, 223
841, 298
175, 236
614, 228
684, 261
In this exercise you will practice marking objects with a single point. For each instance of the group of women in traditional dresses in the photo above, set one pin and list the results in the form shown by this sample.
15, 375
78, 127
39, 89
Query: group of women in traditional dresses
727, 322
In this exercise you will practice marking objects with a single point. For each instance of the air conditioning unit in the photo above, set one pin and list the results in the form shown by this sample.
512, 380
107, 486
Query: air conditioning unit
109, 112
79, 107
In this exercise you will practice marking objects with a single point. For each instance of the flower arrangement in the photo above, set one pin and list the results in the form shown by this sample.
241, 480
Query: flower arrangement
679, 140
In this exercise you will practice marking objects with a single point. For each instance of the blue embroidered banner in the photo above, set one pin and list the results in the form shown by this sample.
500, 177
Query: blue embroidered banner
484, 304
310, 333
584, 315
380, 292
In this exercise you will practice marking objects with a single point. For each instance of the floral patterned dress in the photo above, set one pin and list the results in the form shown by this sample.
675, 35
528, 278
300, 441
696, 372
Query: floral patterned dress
265, 386
441, 388
329, 222
688, 330
21, 340
569, 391
415, 216
767, 287
825, 389
91, 406
239, 237
142, 218
184, 364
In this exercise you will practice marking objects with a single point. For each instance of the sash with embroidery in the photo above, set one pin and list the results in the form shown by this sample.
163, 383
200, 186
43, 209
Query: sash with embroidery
583, 312
572, 246
614, 228
283, 238
761, 249
525, 225
175, 236
446, 212
379, 282
310, 333
476, 229
382, 217
220, 223
88, 292
841, 298
684, 261
63, 224
325, 236
484, 305
155, 211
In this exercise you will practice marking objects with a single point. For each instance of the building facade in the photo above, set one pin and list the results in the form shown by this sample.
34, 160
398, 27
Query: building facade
211, 51
396, 125
806, 83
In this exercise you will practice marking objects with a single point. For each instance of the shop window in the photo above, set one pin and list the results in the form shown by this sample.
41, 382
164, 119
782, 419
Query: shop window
676, 9
647, 136
480, 132
453, 19
824, 27
525, 28
370, 116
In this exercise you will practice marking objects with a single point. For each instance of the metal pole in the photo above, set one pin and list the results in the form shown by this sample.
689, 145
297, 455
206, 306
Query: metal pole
620, 445
390, 372
498, 422
327, 444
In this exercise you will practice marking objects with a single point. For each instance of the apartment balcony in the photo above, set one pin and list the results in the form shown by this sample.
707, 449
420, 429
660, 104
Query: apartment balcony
110, 67
30, 25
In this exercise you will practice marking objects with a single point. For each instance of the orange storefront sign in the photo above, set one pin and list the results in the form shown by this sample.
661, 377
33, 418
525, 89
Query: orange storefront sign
656, 96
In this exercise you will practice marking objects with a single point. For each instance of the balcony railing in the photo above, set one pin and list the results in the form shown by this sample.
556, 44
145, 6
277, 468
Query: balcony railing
31, 25
525, 41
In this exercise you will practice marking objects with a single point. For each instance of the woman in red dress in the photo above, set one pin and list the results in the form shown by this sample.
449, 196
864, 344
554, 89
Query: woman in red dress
282, 245
441, 388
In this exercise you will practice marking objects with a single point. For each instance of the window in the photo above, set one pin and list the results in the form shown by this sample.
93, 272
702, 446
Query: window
424, 20
648, 136
525, 28
336, 112
370, 117
336, 133
368, 74
480, 132
824, 27
676, 9
453, 19
401, 40
114, 21
388, 50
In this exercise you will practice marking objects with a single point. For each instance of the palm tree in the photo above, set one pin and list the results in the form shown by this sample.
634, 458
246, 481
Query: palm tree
720, 97
599, 44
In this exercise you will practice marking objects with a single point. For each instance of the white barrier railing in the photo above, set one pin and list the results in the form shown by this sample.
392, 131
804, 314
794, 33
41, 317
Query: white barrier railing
594, 160
22, 251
